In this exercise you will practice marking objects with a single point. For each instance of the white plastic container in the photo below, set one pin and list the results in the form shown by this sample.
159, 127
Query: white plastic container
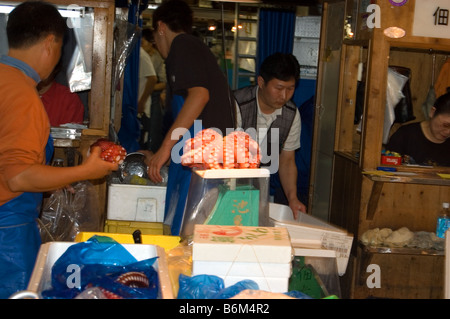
136, 203
50, 252
271, 284
235, 253
311, 232
226, 197
230, 268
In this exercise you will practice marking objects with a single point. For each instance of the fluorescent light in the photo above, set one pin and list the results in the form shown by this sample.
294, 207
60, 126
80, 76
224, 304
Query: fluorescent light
71, 13
394, 32
6, 9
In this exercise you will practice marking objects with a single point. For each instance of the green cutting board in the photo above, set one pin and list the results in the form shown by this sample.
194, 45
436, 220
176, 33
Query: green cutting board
239, 207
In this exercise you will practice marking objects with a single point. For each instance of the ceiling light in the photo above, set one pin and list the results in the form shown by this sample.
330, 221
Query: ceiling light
394, 32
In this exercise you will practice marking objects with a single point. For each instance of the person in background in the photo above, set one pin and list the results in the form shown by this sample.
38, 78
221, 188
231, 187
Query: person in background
426, 142
267, 106
35, 32
62, 106
156, 109
147, 81
196, 90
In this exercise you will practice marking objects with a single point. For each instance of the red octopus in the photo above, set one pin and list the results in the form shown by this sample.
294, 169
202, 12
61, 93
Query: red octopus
209, 150
111, 151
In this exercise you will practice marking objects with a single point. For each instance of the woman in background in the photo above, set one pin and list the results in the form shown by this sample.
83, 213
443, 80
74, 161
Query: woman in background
426, 142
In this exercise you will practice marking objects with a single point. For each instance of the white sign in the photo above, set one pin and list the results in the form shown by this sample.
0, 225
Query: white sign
431, 19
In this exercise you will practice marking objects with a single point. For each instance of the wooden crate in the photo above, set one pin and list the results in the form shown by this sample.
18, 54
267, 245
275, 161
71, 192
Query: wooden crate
402, 276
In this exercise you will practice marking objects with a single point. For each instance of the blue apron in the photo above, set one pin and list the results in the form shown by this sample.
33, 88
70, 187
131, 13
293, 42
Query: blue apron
177, 182
19, 237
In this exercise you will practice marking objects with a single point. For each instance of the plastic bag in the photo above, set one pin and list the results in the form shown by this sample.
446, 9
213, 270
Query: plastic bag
394, 93
126, 35
102, 262
68, 212
179, 261
79, 71
211, 287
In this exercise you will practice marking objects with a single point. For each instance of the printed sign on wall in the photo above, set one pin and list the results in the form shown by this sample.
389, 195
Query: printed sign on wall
431, 19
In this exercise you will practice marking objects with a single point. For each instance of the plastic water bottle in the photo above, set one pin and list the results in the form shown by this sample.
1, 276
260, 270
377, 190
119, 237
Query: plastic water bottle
443, 221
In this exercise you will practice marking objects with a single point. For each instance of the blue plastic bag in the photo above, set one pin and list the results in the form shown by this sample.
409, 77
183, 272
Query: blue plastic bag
210, 287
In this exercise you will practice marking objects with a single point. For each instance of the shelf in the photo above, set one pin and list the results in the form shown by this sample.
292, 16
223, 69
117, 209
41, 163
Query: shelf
433, 177
65, 142
401, 250
406, 177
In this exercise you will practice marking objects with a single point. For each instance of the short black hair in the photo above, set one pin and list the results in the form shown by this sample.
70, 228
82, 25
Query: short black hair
32, 21
176, 14
281, 66
442, 103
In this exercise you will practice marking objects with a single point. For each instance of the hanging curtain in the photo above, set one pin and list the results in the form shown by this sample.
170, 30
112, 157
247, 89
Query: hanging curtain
276, 32
130, 130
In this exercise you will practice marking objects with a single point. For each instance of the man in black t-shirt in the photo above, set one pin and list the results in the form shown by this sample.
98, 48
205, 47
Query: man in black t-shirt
196, 90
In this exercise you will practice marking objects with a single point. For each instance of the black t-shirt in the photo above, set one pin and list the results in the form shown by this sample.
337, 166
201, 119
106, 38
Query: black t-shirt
190, 63
410, 140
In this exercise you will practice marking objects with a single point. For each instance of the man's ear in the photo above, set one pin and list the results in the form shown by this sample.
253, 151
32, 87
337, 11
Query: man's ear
260, 81
432, 111
48, 43
162, 28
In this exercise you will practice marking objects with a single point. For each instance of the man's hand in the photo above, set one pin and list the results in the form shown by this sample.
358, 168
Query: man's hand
297, 206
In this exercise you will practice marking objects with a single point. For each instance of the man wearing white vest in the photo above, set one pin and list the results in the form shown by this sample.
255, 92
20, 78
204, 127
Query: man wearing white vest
267, 107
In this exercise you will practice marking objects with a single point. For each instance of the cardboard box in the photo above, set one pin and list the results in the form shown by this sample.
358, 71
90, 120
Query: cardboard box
310, 232
136, 202
391, 160
241, 244
50, 252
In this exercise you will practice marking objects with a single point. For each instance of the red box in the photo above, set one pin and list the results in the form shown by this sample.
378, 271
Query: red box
391, 160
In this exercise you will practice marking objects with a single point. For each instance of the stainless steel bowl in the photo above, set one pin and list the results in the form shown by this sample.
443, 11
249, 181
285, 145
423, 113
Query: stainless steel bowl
133, 164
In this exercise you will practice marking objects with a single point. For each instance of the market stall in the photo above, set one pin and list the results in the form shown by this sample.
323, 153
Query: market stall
369, 192
232, 242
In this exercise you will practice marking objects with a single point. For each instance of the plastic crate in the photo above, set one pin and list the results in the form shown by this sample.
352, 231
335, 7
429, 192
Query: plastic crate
166, 242
129, 227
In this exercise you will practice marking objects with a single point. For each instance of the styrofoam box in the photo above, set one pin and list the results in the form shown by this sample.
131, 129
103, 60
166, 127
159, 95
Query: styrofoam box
229, 268
308, 231
136, 202
280, 285
241, 244
50, 252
